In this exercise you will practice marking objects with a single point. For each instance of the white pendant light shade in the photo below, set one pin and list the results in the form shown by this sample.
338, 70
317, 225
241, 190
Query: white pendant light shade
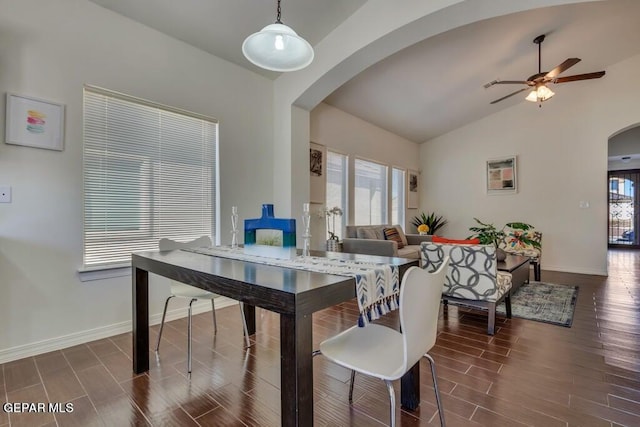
278, 48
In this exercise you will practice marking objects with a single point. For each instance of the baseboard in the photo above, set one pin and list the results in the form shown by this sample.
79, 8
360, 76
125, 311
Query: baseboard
593, 272
65, 341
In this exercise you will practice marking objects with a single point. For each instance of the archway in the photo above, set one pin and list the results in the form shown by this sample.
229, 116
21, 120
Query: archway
624, 188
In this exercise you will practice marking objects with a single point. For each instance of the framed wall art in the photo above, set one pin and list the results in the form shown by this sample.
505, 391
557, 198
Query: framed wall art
502, 175
412, 189
317, 170
34, 122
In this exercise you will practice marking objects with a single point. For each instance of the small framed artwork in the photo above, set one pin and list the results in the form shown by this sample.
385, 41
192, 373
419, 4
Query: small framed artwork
317, 170
502, 176
34, 122
412, 190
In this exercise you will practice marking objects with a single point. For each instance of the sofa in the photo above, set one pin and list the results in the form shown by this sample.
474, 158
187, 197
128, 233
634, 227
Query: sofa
372, 240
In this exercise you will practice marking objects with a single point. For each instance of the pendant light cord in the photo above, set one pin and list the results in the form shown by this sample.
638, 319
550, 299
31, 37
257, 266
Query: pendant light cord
278, 16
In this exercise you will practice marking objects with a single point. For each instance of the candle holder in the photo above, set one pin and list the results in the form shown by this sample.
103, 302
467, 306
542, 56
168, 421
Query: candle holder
234, 227
306, 223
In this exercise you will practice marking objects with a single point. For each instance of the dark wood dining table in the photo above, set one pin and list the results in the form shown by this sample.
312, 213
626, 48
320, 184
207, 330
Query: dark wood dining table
294, 294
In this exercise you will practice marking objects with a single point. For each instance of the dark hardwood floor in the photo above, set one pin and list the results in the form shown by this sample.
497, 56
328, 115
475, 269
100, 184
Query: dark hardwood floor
529, 373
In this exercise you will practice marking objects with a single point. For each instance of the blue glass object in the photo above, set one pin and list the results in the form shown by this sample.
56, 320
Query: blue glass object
269, 236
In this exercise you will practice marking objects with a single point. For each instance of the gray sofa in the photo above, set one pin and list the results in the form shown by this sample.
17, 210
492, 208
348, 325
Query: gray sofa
370, 240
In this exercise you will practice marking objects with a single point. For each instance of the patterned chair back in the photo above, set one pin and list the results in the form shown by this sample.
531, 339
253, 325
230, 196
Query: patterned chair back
472, 272
513, 243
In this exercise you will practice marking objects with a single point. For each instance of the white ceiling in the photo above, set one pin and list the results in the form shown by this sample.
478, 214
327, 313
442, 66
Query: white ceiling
429, 88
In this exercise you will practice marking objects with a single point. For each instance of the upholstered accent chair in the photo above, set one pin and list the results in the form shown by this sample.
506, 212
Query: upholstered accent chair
472, 277
516, 242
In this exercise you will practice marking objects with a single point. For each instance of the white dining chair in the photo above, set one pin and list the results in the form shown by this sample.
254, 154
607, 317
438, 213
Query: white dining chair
192, 293
387, 354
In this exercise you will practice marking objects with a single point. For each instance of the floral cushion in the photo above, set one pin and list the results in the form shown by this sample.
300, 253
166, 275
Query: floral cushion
513, 243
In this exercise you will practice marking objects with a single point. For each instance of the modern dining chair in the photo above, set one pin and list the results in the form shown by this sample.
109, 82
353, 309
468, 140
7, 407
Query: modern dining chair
387, 354
180, 290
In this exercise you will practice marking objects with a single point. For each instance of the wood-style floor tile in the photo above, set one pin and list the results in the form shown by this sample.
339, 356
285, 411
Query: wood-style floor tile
527, 374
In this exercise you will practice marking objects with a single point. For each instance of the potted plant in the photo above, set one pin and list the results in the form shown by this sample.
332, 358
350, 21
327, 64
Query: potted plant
487, 233
432, 221
333, 243
490, 235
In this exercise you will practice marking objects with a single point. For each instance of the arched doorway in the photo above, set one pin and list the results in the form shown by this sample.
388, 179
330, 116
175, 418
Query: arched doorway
624, 188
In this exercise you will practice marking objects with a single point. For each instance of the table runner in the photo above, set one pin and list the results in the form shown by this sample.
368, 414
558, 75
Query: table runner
377, 284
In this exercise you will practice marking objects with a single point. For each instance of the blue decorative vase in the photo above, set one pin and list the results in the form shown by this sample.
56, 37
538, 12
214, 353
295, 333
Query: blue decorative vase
269, 236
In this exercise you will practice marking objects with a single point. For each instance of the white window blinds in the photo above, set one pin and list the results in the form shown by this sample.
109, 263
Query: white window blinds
149, 172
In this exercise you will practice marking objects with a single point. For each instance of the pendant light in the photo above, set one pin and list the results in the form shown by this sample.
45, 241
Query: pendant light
278, 48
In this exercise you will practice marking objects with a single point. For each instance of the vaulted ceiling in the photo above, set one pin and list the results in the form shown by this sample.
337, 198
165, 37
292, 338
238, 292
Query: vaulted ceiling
434, 86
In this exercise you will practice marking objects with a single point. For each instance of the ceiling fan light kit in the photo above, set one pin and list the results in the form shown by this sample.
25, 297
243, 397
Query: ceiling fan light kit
278, 48
540, 94
539, 81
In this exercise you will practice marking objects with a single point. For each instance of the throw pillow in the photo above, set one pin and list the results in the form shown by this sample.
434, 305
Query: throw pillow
392, 234
401, 233
366, 233
438, 239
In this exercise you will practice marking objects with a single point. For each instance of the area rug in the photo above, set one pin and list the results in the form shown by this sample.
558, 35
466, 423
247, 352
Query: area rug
544, 302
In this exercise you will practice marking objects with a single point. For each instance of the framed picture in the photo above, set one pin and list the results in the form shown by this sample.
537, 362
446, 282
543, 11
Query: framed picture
317, 170
34, 122
502, 176
412, 189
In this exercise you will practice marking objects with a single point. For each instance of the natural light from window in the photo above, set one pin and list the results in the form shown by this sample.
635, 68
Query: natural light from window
370, 198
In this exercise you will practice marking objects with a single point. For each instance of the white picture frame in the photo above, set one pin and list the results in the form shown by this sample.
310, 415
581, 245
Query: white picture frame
34, 122
502, 176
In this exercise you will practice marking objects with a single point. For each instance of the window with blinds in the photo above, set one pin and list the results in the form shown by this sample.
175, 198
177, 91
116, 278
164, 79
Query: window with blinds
149, 172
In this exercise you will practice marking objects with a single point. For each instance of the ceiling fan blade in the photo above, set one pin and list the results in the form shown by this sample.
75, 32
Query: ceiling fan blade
510, 95
506, 82
577, 77
562, 67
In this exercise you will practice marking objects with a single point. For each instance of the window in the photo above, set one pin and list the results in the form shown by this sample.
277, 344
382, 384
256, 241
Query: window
337, 187
149, 172
370, 198
397, 196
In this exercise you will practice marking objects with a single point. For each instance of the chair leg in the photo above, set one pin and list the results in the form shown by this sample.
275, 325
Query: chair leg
353, 379
491, 327
189, 338
213, 310
164, 313
507, 304
244, 326
435, 387
392, 401
536, 271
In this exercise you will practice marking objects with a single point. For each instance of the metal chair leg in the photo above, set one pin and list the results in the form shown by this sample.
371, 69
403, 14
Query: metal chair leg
435, 388
164, 313
353, 378
392, 401
213, 310
244, 326
189, 338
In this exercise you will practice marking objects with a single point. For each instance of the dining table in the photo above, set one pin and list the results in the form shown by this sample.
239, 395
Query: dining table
292, 293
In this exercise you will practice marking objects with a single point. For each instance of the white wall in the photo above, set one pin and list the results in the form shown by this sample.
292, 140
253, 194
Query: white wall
355, 137
49, 49
626, 143
562, 160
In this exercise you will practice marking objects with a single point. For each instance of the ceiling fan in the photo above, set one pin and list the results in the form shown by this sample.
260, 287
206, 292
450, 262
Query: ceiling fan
539, 81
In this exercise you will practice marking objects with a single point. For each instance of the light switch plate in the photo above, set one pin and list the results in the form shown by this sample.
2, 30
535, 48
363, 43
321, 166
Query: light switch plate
5, 194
